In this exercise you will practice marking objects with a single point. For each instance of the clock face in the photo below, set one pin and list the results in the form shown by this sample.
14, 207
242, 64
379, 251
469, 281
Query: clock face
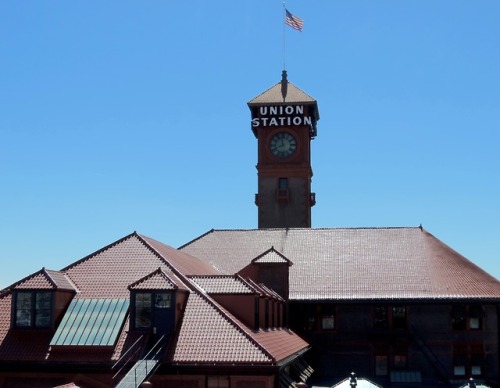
282, 145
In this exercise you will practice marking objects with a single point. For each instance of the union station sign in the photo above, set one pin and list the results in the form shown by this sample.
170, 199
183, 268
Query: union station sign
281, 115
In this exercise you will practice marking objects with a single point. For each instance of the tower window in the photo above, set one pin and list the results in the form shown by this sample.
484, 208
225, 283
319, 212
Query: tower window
282, 192
283, 183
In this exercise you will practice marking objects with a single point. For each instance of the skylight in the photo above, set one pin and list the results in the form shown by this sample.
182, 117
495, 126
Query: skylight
91, 322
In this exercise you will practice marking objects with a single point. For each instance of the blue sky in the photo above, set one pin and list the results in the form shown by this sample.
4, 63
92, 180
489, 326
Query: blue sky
124, 115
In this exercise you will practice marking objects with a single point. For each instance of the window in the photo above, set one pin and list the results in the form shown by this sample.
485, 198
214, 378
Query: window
152, 309
380, 317
143, 311
33, 309
400, 361
468, 359
458, 314
163, 300
476, 360
399, 317
218, 382
381, 365
385, 317
308, 315
467, 317
327, 317
282, 192
459, 361
476, 315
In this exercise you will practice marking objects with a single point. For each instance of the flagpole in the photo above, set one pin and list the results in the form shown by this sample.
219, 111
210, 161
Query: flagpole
284, 40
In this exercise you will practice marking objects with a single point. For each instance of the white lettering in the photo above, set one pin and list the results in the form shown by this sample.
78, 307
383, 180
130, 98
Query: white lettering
281, 115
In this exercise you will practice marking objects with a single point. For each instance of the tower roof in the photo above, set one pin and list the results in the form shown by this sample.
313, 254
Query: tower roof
273, 95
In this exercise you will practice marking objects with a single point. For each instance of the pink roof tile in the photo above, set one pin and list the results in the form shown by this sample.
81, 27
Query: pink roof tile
108, 272
354, 263
45, 280
181, 261
271, 256
210, 334
223, 284
157, 280
207, 336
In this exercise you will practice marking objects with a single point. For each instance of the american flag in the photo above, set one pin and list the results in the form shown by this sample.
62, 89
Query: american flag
293, 21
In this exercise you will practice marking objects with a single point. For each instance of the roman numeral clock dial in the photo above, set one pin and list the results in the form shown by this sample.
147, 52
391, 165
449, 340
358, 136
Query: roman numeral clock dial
282, 145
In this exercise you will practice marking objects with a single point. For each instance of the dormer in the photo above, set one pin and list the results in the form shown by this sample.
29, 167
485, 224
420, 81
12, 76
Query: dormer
253, 304
270, 268
39, 300
272, 307
156, 303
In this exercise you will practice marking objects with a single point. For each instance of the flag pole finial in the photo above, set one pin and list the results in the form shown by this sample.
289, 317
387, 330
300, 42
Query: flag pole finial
284, 84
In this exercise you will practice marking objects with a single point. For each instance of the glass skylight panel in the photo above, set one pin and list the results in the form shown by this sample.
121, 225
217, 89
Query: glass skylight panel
91, 322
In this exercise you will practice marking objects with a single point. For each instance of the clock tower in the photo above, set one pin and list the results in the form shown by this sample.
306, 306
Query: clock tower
284, 123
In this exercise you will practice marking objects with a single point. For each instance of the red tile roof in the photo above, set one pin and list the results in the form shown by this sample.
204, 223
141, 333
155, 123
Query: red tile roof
108, 272
210, 334
354, 263
271, 256
182, 262
45, 280
223, 284
157, 280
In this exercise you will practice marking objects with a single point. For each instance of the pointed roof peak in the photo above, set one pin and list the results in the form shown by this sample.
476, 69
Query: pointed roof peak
156, 280
272, 256
46, 279
284, 92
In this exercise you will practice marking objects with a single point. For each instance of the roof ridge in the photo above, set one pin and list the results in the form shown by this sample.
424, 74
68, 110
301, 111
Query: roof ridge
13, 285
105, 248
196, 239
49, 278
313, 229
182, 278
143, 240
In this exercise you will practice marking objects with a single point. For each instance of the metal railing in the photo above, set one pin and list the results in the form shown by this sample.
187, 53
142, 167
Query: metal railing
144, 367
